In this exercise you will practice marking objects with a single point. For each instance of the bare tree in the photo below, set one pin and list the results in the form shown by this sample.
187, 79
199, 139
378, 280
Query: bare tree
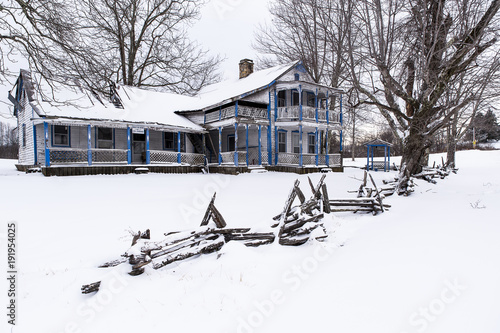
411, 53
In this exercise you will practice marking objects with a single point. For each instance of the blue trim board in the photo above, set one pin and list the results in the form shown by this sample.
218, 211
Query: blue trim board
148, 153
179, 147
129, 146
47, 151
89, 144
35, 145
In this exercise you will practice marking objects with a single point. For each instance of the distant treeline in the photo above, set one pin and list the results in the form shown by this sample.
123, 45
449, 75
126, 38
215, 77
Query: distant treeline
8, 141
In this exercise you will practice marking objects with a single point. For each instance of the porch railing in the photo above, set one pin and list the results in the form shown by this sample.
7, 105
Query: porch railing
308, 113
109, 155
308, 159
163, 156
68, 156
288, 158
192, 159
230, 112
252, 112
227, 157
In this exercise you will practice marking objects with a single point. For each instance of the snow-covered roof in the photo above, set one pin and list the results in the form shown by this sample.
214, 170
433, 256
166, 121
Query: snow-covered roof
139, 106
229, 90
378, 142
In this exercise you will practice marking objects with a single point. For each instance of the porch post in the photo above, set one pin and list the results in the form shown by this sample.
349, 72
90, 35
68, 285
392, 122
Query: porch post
367, 158
327, 150
236, 144
35, 145
300, 102
179, 147
89, 145
129, 146
372, 156
316, 106
316, 146
260, 146
276, 145
327, 109
47, 151
247, 143
220, 145
389, 157
301, 161
148, 153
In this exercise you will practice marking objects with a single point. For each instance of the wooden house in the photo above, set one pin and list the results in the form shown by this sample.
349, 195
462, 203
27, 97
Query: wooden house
277, 119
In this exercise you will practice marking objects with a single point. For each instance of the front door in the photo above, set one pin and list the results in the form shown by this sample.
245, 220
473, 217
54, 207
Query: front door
138, 148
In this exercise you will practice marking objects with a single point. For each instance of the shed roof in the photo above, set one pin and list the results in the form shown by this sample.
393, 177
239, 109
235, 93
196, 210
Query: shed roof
378, 142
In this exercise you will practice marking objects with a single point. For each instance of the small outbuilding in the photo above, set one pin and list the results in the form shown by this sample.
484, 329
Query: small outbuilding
373, 147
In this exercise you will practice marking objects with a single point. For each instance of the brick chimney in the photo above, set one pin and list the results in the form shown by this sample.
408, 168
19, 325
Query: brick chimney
246, 68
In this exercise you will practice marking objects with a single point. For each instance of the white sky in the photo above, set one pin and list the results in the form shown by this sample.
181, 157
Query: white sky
227, 28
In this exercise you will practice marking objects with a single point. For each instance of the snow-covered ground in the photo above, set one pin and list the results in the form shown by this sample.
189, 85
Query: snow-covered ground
429, 264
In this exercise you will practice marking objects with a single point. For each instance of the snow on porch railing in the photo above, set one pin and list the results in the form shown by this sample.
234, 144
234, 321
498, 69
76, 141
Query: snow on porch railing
290, 112
288, 158
68, 156
334, 160
163, 156
227, 157
309, 159
252, 112
193, 159
109, 155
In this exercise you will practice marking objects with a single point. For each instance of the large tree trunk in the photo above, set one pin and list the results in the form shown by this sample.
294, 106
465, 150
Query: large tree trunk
452, 142
414, 157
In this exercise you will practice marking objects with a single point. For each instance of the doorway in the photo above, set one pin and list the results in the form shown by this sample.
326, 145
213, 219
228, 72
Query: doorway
138, 148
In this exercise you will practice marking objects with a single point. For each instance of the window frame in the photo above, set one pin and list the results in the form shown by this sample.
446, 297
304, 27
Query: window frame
296, 134
174, 141
98, 140
53, 136
284, 143
231, 136
281, 100
313, 99
294, 92
313, 144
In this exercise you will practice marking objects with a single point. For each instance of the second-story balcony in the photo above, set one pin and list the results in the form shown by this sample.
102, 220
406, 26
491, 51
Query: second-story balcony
232, 111
309, 113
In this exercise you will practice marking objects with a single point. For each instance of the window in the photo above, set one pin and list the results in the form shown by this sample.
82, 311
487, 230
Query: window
231, 143
60, 135
104, 138
295, 97
297, 77
311, 99
169, 140
282, 141
282, 98
311, 145
296, 142
24, 135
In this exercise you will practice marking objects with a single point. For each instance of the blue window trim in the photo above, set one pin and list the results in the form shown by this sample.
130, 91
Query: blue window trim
163, 141
227, 142
286, 139
309, 134
52, 136
24, 135
297, 77
291, 96
96, 138
293, 147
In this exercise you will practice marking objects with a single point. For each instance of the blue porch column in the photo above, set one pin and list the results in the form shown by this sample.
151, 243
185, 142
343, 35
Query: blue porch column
129, 146
89, 145
148, 153
316, 146
327, 147
316, 105
236, 144
301, 161
276, 145
389, 158
367, 158
385, 158
220, 145
47, 151
327, 109
179, 147
300, 102
371, 151
35, 145
260, 146
247, 142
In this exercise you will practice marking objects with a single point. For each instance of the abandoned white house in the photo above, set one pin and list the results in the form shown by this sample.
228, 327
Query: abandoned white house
276, 118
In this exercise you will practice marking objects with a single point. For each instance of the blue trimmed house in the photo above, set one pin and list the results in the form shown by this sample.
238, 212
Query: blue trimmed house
276, 118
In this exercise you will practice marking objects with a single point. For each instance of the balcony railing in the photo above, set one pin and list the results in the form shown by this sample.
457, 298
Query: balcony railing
230, 112
308, 113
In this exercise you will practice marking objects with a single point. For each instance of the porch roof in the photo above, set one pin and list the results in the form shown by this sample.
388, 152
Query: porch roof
142, 107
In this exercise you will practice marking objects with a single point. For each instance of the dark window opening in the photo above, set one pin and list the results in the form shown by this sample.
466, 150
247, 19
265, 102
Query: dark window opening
105, 138
282, 142
281, 98
296, 142
61, 135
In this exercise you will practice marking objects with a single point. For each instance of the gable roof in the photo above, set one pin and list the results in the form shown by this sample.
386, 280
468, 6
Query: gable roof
378, 142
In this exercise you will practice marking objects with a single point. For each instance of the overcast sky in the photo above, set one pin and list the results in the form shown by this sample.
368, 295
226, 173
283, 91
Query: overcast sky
227, 28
